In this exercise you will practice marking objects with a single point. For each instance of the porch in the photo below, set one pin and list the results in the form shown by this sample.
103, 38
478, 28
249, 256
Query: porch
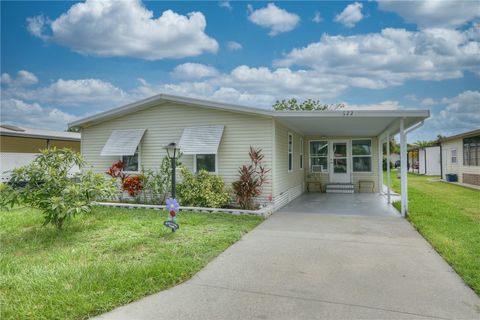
357, 204
346, 149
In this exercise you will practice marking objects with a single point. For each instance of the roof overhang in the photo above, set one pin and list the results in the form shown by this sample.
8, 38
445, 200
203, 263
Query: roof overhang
359, 123
350, 123
162, 99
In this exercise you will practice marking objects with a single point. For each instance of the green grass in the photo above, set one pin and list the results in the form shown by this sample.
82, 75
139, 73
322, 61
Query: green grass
103, 259
448, 216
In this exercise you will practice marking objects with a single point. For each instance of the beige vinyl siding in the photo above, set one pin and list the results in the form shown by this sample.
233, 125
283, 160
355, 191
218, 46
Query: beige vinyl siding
283, 179
34, 145
165, 123
22, 144
356, 176
456, 168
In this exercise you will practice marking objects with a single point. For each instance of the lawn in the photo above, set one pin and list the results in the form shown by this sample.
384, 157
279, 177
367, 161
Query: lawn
103, 259
448, 216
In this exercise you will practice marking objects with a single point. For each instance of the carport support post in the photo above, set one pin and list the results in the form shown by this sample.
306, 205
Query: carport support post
388, 168
403, 168
380, 166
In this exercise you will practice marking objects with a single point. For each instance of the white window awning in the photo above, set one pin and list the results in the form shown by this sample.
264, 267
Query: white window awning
201, 140
122, 142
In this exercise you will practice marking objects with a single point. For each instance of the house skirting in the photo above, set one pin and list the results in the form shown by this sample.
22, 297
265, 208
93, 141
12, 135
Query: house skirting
288, 195
471, 178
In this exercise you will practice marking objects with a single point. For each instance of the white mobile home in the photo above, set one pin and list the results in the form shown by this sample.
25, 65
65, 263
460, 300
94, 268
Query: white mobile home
334, 151
426, 161
461, 157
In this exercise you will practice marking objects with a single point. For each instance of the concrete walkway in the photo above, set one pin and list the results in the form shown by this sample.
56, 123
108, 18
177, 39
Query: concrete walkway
321, 257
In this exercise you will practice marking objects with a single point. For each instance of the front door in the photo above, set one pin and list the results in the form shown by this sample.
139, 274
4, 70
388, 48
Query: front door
339, 164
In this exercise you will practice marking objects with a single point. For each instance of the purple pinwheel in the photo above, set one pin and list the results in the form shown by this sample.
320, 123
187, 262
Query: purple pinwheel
172, 205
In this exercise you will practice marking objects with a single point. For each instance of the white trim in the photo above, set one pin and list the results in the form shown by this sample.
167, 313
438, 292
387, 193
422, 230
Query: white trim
363, 156
301, 153
195, 163
139, 148
310, 155
289, 152
348, 158
403, 170
452, 156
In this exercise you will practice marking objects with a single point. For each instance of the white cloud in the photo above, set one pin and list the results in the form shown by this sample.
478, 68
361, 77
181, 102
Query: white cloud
62, 92
23, 78
389, 58
461, 114
234, 46
274, 18
317, 18
125, 28
33, 115
383, 105
193, 71
350, 15
225, 4
434, 13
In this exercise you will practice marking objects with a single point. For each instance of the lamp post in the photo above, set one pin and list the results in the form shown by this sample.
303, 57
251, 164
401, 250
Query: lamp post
172, 155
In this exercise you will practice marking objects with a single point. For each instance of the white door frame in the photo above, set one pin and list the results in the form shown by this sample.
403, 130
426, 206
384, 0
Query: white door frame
340, 177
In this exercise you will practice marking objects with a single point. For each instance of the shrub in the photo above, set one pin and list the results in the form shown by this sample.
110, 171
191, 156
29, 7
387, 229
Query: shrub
156, 184
202, 190
47, 185
252, 178
133, 185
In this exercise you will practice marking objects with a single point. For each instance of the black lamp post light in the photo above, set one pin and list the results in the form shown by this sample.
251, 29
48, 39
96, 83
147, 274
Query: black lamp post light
172, 205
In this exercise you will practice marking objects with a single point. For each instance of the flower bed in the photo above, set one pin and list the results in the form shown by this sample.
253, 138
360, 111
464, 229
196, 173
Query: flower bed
264, 211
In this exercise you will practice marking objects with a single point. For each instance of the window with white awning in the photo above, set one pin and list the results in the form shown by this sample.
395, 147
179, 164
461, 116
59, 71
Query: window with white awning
123, 142
202, 143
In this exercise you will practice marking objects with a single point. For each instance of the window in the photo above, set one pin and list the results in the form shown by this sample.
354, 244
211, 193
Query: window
301, 153
471, 151
290, 152
205, 162
362, 155
453, 156
131, 163
318, 156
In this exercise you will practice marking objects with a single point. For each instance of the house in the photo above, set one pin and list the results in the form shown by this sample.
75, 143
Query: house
461, 156
19, 145
333, 151
425, 160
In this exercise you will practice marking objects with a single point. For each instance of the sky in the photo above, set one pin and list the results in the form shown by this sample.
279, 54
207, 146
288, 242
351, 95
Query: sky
61, 61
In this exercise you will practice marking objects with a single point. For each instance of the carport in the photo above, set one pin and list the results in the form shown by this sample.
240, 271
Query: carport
382, 124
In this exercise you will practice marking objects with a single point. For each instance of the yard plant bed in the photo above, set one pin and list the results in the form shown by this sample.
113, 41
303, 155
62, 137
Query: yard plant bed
448, 216
103, 259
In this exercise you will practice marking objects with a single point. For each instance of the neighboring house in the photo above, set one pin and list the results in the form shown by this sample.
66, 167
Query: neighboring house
461, 156
19, 145
314, 150
425, 160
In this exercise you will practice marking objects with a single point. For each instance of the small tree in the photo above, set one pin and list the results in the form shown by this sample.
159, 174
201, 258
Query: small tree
251, 179
306, 105
48, 184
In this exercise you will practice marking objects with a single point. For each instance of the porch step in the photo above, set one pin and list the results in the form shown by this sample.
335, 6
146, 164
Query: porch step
339, 188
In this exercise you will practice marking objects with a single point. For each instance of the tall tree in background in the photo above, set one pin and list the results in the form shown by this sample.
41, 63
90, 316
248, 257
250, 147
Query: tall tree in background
307, 105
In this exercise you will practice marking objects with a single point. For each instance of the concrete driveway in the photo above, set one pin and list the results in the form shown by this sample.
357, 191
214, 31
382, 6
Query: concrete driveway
321, 257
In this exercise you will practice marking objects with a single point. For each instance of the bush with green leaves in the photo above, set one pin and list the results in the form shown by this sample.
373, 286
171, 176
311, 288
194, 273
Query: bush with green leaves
157, 183
202, 190
48, 184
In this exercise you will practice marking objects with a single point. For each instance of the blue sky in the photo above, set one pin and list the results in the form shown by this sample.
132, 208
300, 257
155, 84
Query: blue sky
64, 60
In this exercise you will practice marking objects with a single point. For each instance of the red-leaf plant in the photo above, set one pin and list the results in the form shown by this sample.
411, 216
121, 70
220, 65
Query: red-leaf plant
132, 184
251, 179
116, 171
